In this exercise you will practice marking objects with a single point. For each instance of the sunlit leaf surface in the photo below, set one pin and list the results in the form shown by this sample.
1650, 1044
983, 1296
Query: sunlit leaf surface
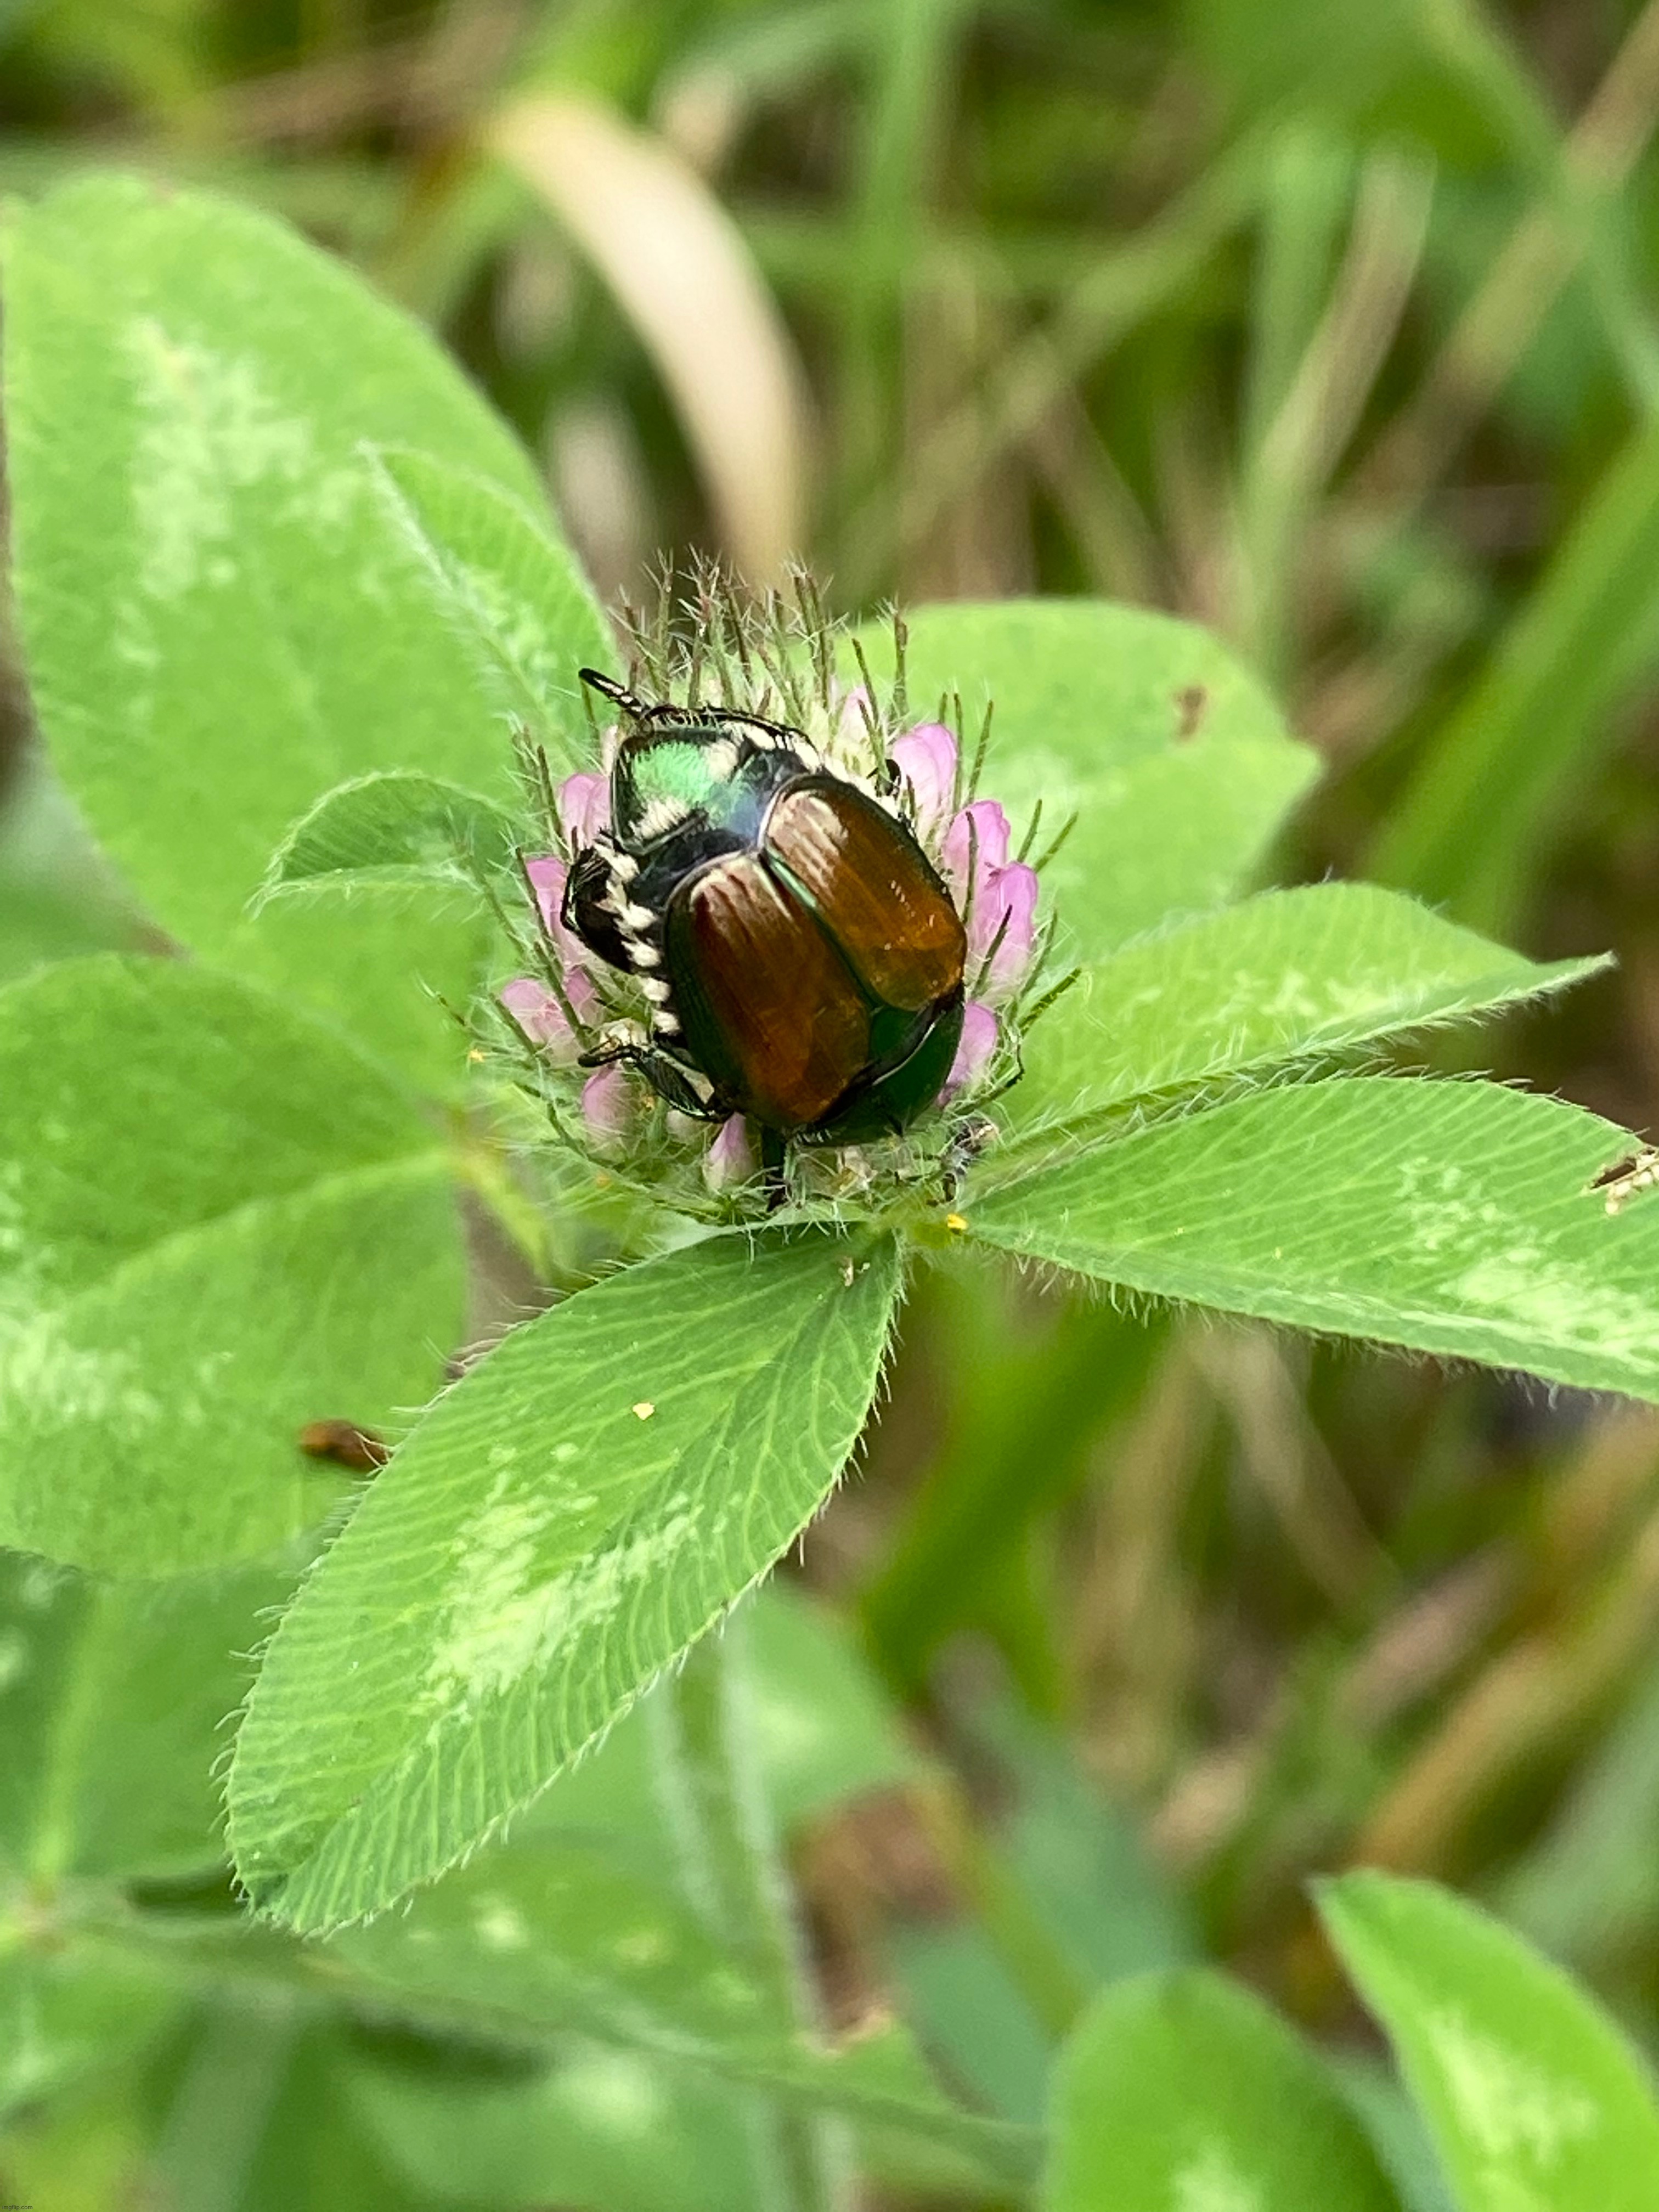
1292, 976
1451, 1218
576, 1511
219, 616
1185, 2090
1536, 2102
217, 1225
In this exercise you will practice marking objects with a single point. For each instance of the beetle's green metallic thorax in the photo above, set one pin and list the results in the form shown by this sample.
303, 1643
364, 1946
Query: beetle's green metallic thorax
682, 796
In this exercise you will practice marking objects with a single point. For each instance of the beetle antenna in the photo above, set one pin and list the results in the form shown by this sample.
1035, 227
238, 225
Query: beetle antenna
617, 694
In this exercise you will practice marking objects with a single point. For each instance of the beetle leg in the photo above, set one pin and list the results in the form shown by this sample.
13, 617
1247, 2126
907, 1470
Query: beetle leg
671, 1082
774, 1149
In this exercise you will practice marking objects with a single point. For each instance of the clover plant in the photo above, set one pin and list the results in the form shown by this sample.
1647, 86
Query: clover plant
303, 642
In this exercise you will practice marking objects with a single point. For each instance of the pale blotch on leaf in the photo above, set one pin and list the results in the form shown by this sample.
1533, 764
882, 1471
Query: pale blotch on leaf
1564, 1305
504, 1621
499, 1925
642, 1946
613, 2091
1211, 2183
1506, 2104
59, 1384
208, 427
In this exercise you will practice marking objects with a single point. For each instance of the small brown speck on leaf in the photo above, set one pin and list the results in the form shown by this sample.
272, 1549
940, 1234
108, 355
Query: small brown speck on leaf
1190, 702
361, 1451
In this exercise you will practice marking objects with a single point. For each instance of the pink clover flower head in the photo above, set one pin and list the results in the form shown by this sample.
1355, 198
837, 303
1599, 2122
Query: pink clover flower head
979, 1041
732, 1158
998, 894
584, 804
926, 758
608, 1107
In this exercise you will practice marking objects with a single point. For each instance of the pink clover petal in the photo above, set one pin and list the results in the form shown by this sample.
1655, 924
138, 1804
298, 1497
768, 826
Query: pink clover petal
977, 838
1008, 895
540, 1017
979, 1041
584, 804
853, 726
579, 989
608, 1107
731, 1159
926, 758
546, 875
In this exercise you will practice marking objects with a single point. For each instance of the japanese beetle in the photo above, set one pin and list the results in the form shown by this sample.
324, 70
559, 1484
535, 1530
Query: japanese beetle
802, 958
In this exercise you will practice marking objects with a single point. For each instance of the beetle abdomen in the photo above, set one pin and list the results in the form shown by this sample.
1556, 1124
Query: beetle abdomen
808, 973
768, 1009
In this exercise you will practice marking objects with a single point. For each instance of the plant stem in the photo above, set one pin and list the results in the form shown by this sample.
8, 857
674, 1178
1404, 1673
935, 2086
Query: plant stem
708, 1765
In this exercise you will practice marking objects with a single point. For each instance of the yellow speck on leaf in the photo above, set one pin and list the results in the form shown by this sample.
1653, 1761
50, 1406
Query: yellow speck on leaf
644, 1410
956, 1222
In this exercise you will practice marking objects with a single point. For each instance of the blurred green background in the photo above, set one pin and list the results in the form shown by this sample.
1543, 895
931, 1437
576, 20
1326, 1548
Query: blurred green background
1331, 325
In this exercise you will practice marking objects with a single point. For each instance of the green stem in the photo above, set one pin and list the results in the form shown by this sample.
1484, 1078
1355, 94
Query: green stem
707, 1767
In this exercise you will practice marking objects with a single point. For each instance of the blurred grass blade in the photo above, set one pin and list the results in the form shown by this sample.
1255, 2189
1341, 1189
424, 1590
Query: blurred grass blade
1472, 49
1028, 1410
1495, 780
1124, 287
1589, 1889
1307, 188
911, 59
1321, 403
1076, 1853
683, 275
1499, 322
